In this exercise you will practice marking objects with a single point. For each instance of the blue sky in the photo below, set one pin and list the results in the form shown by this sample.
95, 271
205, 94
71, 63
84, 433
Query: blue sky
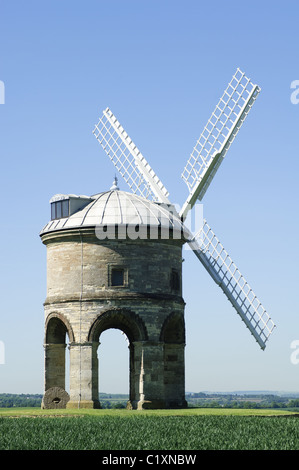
161, 67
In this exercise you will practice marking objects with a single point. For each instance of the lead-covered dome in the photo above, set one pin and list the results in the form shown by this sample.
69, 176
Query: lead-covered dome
108, 209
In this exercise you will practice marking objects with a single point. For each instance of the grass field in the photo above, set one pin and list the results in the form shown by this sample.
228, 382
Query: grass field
191, 429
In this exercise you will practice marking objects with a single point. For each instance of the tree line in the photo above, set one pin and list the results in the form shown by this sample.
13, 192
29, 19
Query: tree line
198, 400
258, 401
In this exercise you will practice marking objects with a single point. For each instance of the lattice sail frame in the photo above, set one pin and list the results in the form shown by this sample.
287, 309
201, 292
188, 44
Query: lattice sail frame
217, 136
225, 273
128, 160
199, 171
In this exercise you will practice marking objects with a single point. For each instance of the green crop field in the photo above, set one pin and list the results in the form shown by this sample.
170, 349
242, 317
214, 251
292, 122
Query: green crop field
191, 429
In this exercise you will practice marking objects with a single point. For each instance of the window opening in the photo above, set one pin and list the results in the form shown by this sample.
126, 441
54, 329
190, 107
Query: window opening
117, 277
60, 209
175, 280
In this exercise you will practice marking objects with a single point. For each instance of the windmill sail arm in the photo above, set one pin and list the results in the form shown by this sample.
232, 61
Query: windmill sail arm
202, 184
225, 273
217, 136
128, 159
160, 192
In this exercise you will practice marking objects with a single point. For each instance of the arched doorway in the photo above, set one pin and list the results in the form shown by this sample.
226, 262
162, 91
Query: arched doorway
58, 333
173, 338
114, 366
135, 332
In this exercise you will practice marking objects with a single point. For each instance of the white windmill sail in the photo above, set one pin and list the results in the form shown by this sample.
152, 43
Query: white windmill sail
225, 273
128, 160
208, 153
217, 136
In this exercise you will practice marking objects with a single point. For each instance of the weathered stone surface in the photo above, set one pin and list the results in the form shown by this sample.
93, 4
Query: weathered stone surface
54, 398
81, 303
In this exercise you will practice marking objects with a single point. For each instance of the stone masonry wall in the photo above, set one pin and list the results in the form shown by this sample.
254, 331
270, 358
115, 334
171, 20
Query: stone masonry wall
80, 294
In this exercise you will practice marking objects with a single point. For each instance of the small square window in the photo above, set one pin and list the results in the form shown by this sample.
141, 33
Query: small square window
117, 277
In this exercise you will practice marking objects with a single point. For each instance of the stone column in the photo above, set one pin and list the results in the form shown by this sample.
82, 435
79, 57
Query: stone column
54, 365
174, 375
132, 388
149, 375
83, 376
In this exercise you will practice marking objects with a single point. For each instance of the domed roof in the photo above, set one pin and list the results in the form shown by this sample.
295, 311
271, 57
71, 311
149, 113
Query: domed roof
114, 208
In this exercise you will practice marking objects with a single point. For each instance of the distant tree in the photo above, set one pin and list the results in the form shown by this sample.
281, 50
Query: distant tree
293, 403
118, 406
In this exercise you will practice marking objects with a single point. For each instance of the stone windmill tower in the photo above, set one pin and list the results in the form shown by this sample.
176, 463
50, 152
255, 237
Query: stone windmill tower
115, 261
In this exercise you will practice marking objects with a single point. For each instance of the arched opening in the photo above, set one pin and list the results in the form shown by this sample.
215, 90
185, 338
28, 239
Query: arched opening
58, 334
173, 337
173, 329
114, 365
134, 331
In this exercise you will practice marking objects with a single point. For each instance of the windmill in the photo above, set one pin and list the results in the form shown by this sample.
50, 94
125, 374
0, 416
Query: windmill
201, 167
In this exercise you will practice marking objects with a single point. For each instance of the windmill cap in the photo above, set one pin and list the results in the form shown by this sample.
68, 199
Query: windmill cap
115, 208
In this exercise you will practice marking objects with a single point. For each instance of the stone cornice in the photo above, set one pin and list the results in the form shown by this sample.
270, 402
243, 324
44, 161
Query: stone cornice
114, 295
89, 235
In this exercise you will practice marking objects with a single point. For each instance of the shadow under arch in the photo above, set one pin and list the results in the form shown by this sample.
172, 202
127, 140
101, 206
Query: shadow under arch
173, 329
133, 327
173, 338
56, 327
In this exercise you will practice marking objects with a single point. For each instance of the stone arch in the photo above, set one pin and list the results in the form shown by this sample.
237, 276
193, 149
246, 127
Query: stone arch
56, 327
173, 338
173, 329
122, 319
133, 327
